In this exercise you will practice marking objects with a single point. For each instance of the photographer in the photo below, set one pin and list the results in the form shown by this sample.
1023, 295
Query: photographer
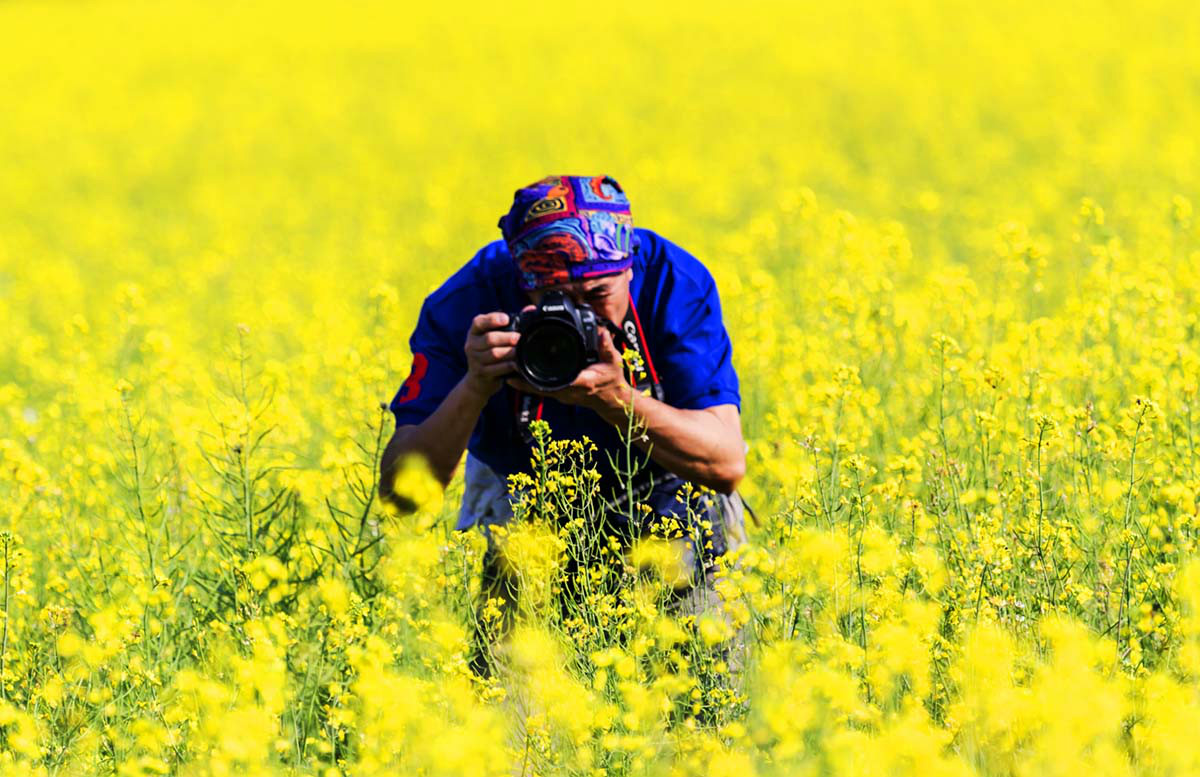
570, 249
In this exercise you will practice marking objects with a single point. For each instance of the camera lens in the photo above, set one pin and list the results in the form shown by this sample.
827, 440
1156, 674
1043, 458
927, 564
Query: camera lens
551, 354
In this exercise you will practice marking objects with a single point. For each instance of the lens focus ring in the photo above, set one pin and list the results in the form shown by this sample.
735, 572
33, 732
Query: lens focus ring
550, 353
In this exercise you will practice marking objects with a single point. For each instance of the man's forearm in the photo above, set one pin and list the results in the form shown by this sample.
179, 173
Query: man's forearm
703, 446
440, 439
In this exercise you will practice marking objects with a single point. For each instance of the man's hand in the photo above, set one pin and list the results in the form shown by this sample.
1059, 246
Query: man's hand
490, 353
601, 386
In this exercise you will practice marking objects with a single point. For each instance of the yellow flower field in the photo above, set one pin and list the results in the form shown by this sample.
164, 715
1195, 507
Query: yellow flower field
959, 260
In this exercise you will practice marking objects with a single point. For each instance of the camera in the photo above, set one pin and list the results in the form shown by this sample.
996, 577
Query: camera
558, 339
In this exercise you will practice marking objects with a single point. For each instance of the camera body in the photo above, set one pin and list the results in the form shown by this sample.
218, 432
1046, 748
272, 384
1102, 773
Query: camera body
558, 339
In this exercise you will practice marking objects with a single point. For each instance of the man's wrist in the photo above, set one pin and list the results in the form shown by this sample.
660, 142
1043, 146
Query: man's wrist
618, 407
478, 390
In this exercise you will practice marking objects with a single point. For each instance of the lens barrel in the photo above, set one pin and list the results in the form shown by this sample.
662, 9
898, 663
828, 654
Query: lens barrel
558, 339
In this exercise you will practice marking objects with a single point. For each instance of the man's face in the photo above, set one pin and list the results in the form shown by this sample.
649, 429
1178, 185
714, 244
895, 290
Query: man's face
608, 295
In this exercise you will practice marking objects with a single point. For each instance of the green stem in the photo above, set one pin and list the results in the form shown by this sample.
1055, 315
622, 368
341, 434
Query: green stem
4, 646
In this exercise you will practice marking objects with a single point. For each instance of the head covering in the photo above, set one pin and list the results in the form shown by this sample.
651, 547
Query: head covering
567, 227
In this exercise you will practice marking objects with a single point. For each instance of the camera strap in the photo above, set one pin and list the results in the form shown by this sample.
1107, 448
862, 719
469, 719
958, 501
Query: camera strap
639, 370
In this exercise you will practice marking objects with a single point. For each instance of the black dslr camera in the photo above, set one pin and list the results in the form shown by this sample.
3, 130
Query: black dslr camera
558, 339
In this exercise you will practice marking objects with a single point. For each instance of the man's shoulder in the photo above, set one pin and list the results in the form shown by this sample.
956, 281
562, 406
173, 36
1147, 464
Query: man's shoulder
485, 276
666, 262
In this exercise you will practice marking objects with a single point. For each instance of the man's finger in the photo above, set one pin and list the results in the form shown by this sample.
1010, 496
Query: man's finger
584, 380
505, 367
495, 355
487, 322
608, 350
495, 338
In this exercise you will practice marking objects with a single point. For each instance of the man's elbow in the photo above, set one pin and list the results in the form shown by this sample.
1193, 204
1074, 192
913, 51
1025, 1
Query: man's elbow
727, 476
389, 461
727, 466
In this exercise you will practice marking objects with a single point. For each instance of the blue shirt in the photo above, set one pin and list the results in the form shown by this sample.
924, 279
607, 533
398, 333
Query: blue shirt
680, 312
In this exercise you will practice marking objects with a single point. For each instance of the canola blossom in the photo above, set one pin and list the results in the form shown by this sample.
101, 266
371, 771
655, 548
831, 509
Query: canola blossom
959, 260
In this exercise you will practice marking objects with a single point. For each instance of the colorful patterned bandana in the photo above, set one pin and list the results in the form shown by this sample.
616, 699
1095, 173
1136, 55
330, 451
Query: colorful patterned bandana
567, 227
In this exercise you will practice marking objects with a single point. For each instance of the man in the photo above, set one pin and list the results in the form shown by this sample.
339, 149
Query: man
575, 234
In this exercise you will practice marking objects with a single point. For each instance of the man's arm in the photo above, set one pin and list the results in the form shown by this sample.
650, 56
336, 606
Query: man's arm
703, 446
442, 437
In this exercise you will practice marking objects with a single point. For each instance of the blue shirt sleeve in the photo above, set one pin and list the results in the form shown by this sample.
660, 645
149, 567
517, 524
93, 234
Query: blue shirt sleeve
695, 362
438, 365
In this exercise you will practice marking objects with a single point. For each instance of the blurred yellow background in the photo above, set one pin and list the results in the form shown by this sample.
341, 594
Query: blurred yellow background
958, 258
